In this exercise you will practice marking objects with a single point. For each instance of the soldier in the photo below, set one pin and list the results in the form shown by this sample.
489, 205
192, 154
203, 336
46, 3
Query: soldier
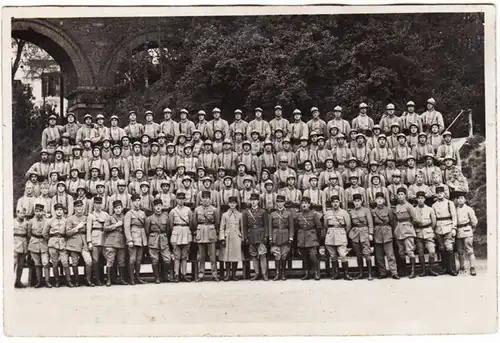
287, 153
424, 229
206, 221
361, 233
343, 125
227, 158
121, 195
322, 155
404, 231
238, 124
133, 226
186, 126
65, 146
315, 194
197, 143
341, 153
298, 129
303, 181
87, 131
260, 125
446, 225
114, 242
71, 127
63, 198
37, 247
20, 245
422, 149
431, 116
134, 129
435, 138
466, 225
202, 124
316, 124
292, 195
418, 186
362, 123
388, 119
41, 167
26, 203
248, 159
59, 165
448, 150
308, 227
53, 233
410, 117
337, 223
268, 159
180, 220
126, 147
372, 141
267, 195
116, 133
151, 128
51, 132
360, 151
230, 235
217, 124
333, 189
255, 232
102, 131
281, 231
156, 227
279, 123
95, 236
411, 171
76, 242
169, 127
383, 219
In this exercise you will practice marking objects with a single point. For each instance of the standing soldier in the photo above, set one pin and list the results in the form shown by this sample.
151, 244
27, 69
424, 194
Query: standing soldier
446, 225
238, 124
279, 122
116, 133
361, 233
95, 236
447, 150
260, 125
133, 226
231, 232
202, 123
308, 226
298, 129
37, 246
20, 245
114, 242
388, 119
217, 124
51, 132
337, 121
169, 127
383, 219
316, 124
466, 224
156, 230
206, 220
151, 128
404, 232
362, 123
180, 220
186, 126
255, 232
280, 236
410, 117
337, 224
76, 243
54, 233
134, 129
431, 116
424, 229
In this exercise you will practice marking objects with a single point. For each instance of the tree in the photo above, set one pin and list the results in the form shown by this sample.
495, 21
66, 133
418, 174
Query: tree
31, 58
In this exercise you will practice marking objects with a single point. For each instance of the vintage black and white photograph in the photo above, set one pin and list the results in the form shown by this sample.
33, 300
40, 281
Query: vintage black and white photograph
249, 171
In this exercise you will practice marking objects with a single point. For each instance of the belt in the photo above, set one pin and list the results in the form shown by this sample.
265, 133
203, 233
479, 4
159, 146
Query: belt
337, 227
181, 225
20, 235
360, 226
97, 228
463, 225
404, 221
424, 226
55, 235
36, 236
444, 218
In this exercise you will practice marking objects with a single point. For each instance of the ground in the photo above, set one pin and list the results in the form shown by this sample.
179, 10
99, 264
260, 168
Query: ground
423, 305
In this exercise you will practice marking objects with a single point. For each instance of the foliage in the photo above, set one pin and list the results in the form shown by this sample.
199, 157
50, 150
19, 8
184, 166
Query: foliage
33, 59
299, 61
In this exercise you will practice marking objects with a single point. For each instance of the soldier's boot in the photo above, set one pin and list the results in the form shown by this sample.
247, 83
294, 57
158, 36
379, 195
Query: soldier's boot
316, 269
263, 267
120, 279
431, 270
256, 268
278, 270
67, 275
47, 277
131, 267
55, 270
345, 267
412, 266
305, 267
166, 271
156, 273
88, 276
138, 279
177, 267
76, 281
421, 259
227, 271
461, 261
283, 270
360, 267
184, 277
39, 280
369, 265
335, 270
233, 268
18, 283
444, 262
473, 271
108, 276
452, 264
97, 274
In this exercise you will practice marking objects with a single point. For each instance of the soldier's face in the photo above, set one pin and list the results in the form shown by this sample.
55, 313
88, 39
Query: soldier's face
337, 114
100, 121
303, 143
278, 134
254, 203
34, 178
396, 179
81, 192
196, 136
264, 175
363, 110
421, 200
419, 179
354, 181
422, 139
461, 200
246, 147
165, 187
59, 156
155, 148
395, 130
429, 161
401, 196
121, 188
430, 106
183, 116
94, 173
305, 205
144, 189
96, 152
435, 129
137, 149
413, 129
218, 135
335, 204
53, 177
61, 188
118, 209
205, 201
139, 175
29, 190
379, 201
114, 122
44, 156
268, 147
390, 112
167, 115
227, 146
74, 174
237, 116
117, 151
44, 190
357, 203
170, 149
216, 115
186, 183
247, 184
201, 117
88, 121
59, 212
38, 213
241, 169
161, 141
71, 119
376, 131
411, 163
269, 187
411, 109
106, 144
125, 142
221, 173
307, 166
149, 118
402, 140
291, 182
207, 184
100, 189
333, 181
376, 181
440, 195
228, 182
114, 172
232, 205
52, 122
297, 117
258, 114
286, 146
201, 173
315, 114
79, 209
313, 182
329, 164
280, 205
132, 117
158, 208
447, 138
136, 203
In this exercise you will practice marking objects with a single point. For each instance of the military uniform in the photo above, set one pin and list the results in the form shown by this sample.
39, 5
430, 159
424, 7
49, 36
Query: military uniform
308, 227
114, 242
255, 231
337, 223
95, 236
206, 221
281, 231
37, 246
156, 230
466, 222
76, 243
404, 232
383, 219
54, 234
135, 235
231, 227
180, 222
360, 232
424, 229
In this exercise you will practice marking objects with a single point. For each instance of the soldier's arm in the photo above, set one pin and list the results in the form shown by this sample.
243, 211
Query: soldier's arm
370, 221
108, 227
472, 217
266, 223
433, 218
70, 205
453, 212
147, 225
89, 227
46, 229
222, 229
244, 223
126, 227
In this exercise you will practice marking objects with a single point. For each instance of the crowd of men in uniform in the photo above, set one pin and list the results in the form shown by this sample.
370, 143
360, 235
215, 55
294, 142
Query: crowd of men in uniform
113, 193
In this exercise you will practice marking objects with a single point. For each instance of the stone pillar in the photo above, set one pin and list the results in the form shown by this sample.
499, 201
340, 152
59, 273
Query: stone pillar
84, 101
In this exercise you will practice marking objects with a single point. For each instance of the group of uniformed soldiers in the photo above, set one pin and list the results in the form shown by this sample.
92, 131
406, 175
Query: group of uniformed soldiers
315, 187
